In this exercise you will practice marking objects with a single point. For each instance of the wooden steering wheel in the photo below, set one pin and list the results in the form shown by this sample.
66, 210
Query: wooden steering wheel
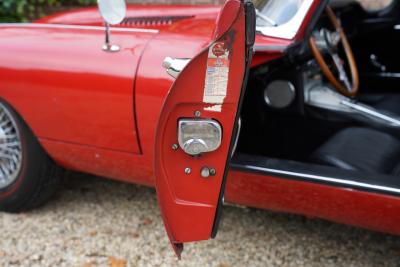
341, 83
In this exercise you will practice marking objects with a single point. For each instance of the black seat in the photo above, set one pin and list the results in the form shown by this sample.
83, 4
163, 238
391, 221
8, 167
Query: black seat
386, 102
361, 149
389, 103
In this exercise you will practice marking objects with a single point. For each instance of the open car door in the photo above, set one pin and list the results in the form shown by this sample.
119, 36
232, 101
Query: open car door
198, 127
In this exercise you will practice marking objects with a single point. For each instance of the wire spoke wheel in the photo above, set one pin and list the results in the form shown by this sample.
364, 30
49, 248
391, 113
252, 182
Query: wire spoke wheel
10, 148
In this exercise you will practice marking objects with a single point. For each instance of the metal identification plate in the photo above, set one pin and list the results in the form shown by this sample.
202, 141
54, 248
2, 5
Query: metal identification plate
216, 83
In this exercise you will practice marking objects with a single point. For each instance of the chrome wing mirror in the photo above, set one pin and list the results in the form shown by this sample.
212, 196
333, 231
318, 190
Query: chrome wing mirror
113, 12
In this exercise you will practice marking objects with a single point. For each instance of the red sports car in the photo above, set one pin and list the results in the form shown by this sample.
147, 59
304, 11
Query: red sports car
292, 106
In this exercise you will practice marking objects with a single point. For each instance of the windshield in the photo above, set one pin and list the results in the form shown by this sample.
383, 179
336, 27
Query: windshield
281, 18
276, 12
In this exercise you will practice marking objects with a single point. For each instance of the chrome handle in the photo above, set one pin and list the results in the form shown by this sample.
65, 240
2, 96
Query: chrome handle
174, 66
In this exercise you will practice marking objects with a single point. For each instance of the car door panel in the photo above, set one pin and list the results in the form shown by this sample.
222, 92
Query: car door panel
189, 201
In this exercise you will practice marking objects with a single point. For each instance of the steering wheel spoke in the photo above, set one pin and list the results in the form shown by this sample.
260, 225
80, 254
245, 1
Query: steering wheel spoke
343, 77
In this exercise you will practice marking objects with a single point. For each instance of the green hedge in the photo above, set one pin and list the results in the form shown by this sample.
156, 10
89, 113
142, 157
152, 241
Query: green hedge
25, 10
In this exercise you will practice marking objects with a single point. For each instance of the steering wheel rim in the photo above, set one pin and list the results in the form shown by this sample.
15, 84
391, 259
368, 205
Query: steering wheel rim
339, 86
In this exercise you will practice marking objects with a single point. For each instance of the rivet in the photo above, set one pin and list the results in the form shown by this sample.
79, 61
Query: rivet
174, 146
188, 170
197, 113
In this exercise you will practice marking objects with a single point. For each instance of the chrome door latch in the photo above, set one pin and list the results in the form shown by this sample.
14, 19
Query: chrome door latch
198, 136
174, 66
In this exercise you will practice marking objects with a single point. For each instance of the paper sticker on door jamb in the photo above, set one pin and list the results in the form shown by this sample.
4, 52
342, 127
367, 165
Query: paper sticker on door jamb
217, 73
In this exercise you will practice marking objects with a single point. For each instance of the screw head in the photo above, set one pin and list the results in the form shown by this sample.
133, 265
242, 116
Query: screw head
213, 172
197, 113
174, 146
188, 170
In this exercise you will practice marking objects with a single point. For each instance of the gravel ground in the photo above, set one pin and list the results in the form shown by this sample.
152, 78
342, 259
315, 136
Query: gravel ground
96, 222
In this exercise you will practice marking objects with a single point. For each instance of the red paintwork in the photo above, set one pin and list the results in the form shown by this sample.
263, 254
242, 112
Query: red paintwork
72, 89
93, 114
342, 205
188, 202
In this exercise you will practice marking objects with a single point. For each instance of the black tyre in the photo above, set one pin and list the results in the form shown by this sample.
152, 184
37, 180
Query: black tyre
28, 177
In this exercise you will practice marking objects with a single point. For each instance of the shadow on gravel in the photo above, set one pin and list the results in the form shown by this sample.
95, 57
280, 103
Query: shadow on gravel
93, 220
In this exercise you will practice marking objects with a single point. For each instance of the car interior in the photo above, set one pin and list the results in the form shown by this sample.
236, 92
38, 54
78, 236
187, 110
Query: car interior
329, 110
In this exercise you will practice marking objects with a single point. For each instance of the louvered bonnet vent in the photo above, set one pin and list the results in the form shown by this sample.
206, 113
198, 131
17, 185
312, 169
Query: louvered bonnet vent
152, 21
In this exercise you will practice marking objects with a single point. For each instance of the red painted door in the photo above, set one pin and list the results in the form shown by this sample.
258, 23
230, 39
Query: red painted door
197, 128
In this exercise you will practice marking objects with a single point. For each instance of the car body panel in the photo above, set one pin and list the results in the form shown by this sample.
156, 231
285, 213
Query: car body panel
72, 89
343, 205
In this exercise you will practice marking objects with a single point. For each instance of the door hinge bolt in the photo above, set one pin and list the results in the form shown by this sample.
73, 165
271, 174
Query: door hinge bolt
188, 170
174, 146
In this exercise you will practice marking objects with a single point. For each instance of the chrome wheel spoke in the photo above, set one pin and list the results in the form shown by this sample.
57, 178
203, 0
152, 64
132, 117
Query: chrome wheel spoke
4, 123
5, 156
15, 160
10, 144
2, 115
8, 129
9, 150
4, 170
11, 136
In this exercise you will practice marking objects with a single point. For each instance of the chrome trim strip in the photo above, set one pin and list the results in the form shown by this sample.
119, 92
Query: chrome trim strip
322, 178
371, 112
76, 27
269, 48
385, 74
